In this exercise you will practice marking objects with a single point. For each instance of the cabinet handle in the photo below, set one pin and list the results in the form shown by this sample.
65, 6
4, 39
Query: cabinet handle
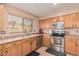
6, 51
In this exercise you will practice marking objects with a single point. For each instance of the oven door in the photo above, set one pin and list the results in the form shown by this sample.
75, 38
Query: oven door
57, 41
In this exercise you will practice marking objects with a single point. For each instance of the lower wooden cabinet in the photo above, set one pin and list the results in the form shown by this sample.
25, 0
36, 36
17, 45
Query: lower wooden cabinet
18, 48
26, 47
71, 45
46, 40
33, 44
1, 53
14, 50
7, 52
78, 46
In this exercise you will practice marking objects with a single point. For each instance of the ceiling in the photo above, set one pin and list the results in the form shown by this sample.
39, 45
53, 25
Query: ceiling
42, 10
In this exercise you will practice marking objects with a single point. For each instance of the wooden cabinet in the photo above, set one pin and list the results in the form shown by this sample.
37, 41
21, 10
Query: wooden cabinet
77, 46
70, 45
1, 50
18, 48
11, 49
46, 40
48, 23
69, 20
76, 21
42, 24
67, 47
61, 19
1, 16
55, 19
7, 52
26, 47
33, 43
1, 53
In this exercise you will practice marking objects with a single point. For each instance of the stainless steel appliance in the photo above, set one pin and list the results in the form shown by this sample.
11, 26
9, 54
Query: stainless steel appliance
58, 36
57, 41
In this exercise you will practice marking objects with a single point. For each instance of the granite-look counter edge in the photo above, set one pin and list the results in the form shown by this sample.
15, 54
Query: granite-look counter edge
18, 38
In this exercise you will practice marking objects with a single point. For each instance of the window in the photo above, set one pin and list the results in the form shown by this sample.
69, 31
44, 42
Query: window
27, 25
19, 25
14, 24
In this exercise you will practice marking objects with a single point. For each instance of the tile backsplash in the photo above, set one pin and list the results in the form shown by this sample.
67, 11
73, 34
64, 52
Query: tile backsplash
72, 31
69, 31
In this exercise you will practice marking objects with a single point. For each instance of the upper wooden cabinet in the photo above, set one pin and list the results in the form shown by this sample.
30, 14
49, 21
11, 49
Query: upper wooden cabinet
55, 19
61, 19
48, 24
45, 24
76, 20
42, 24
1, 16
69, 20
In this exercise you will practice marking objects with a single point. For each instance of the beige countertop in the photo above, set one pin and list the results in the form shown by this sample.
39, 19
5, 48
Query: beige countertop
72, 36
17, 38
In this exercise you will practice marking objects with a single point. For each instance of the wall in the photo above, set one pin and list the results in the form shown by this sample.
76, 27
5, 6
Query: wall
18, 12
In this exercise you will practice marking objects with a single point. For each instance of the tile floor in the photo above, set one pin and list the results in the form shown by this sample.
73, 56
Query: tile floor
42, 51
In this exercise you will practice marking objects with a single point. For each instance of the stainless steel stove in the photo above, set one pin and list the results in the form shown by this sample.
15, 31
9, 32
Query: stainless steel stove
57, 43
57, 39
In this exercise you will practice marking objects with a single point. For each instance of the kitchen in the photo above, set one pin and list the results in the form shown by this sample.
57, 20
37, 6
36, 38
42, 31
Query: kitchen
39, 29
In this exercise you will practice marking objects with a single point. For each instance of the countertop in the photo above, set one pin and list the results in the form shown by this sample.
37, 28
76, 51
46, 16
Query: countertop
72, 36
17, 38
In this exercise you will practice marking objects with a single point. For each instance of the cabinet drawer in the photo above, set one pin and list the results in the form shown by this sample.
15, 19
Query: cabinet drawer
7, 45
18, 42
26, 40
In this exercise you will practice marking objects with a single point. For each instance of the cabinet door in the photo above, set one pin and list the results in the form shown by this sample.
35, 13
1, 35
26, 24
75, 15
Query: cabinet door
26, 48
73, 46
61, 19
19, 50
7, 52
14, 51
78, 47
11, 51
70, 45
55, 19
33, 43
77, 20
1, 16
1, 50
46, 40
68, 21
1, 53
67, 46
42, 24
48, 23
